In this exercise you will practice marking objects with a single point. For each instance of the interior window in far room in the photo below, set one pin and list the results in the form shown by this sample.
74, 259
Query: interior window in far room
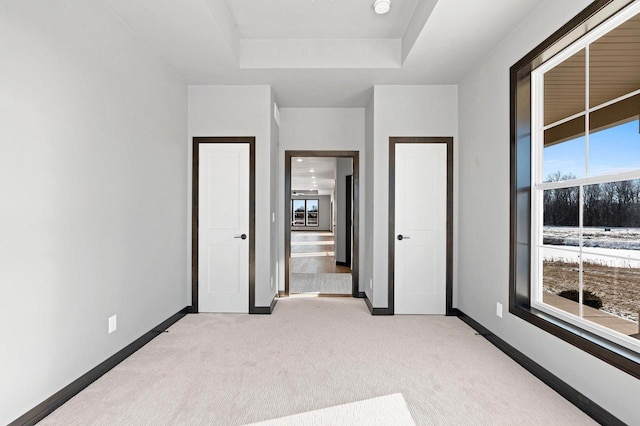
312, 213
298, 212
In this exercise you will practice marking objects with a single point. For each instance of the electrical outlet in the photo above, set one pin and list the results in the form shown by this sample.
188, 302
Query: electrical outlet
271, 282
371, 283
273, 217
113, 323
499, 309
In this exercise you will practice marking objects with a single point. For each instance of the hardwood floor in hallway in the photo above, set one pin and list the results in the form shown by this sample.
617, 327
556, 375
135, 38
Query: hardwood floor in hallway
313, 266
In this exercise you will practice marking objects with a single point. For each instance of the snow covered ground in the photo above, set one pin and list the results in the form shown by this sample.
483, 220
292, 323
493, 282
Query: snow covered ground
619, 247
612, 265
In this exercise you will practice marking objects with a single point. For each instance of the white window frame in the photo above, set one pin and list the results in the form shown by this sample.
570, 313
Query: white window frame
307, 211
539, 186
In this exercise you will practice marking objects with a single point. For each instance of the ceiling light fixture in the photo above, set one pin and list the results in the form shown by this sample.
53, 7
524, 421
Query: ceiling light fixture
382, 6
299, 160
311, 170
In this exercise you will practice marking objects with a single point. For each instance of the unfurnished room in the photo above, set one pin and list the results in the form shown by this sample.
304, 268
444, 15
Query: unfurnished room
319, 212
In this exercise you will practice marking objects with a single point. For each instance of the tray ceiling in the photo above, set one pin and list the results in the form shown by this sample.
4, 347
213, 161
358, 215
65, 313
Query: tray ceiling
319, 19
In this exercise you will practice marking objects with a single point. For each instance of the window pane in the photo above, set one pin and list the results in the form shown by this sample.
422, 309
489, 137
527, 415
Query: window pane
613, 204
298, 212
612, 285
560, 279
615, 149
612, 219
560, 217
564, 151
614, 63
312, 212
564, 89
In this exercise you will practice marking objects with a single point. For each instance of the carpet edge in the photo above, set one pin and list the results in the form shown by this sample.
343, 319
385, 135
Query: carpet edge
56, 400
586, 405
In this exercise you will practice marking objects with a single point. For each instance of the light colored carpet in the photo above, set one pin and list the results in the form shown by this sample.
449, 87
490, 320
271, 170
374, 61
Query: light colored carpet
320, 283
314, 353
382, 411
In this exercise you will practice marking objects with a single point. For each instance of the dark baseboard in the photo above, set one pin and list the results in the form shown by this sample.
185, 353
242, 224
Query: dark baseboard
453, 312
264, 310
589, 407
375, 311
190, 310
345, 264
50, 404
361, 295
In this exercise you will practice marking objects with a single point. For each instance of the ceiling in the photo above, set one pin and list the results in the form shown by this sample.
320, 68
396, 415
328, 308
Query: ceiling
321, 53
311, 173
319, 19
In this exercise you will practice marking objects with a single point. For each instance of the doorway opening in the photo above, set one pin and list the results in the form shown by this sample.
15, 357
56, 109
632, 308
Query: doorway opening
321, 223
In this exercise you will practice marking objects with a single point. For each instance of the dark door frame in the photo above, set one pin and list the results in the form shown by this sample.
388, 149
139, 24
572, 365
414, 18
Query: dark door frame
449, 311
348, 201
252, 216
354, 155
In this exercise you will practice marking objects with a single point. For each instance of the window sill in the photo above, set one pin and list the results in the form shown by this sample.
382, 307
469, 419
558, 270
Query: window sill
618, 356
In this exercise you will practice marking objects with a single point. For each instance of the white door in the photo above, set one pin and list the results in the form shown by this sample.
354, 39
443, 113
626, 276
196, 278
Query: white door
223, 220
420, 271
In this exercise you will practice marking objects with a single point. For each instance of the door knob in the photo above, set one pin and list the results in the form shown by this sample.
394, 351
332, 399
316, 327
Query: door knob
243, 236
403, 237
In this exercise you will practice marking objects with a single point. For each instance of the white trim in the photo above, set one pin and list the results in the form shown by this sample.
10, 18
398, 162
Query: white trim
585, 250
569, 249
580, 246
537, 150
587, 116
564, 120
613, 101
592, 180
616, 337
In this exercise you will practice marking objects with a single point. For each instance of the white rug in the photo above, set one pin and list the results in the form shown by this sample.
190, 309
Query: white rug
384, 410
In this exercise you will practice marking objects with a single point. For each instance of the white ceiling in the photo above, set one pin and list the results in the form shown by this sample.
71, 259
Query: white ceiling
319, 19
203, 42
311, 173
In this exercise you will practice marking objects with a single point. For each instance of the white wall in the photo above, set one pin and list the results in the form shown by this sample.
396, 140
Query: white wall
330, 129
241, 111
273, 200
484, 219
405, 111
92, 177
366, 276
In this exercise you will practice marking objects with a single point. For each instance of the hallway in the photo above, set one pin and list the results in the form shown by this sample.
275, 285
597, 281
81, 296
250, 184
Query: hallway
313, 265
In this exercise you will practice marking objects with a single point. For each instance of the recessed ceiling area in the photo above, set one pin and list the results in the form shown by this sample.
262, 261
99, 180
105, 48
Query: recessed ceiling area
319, 19
201, 41
325, 33
313, 173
